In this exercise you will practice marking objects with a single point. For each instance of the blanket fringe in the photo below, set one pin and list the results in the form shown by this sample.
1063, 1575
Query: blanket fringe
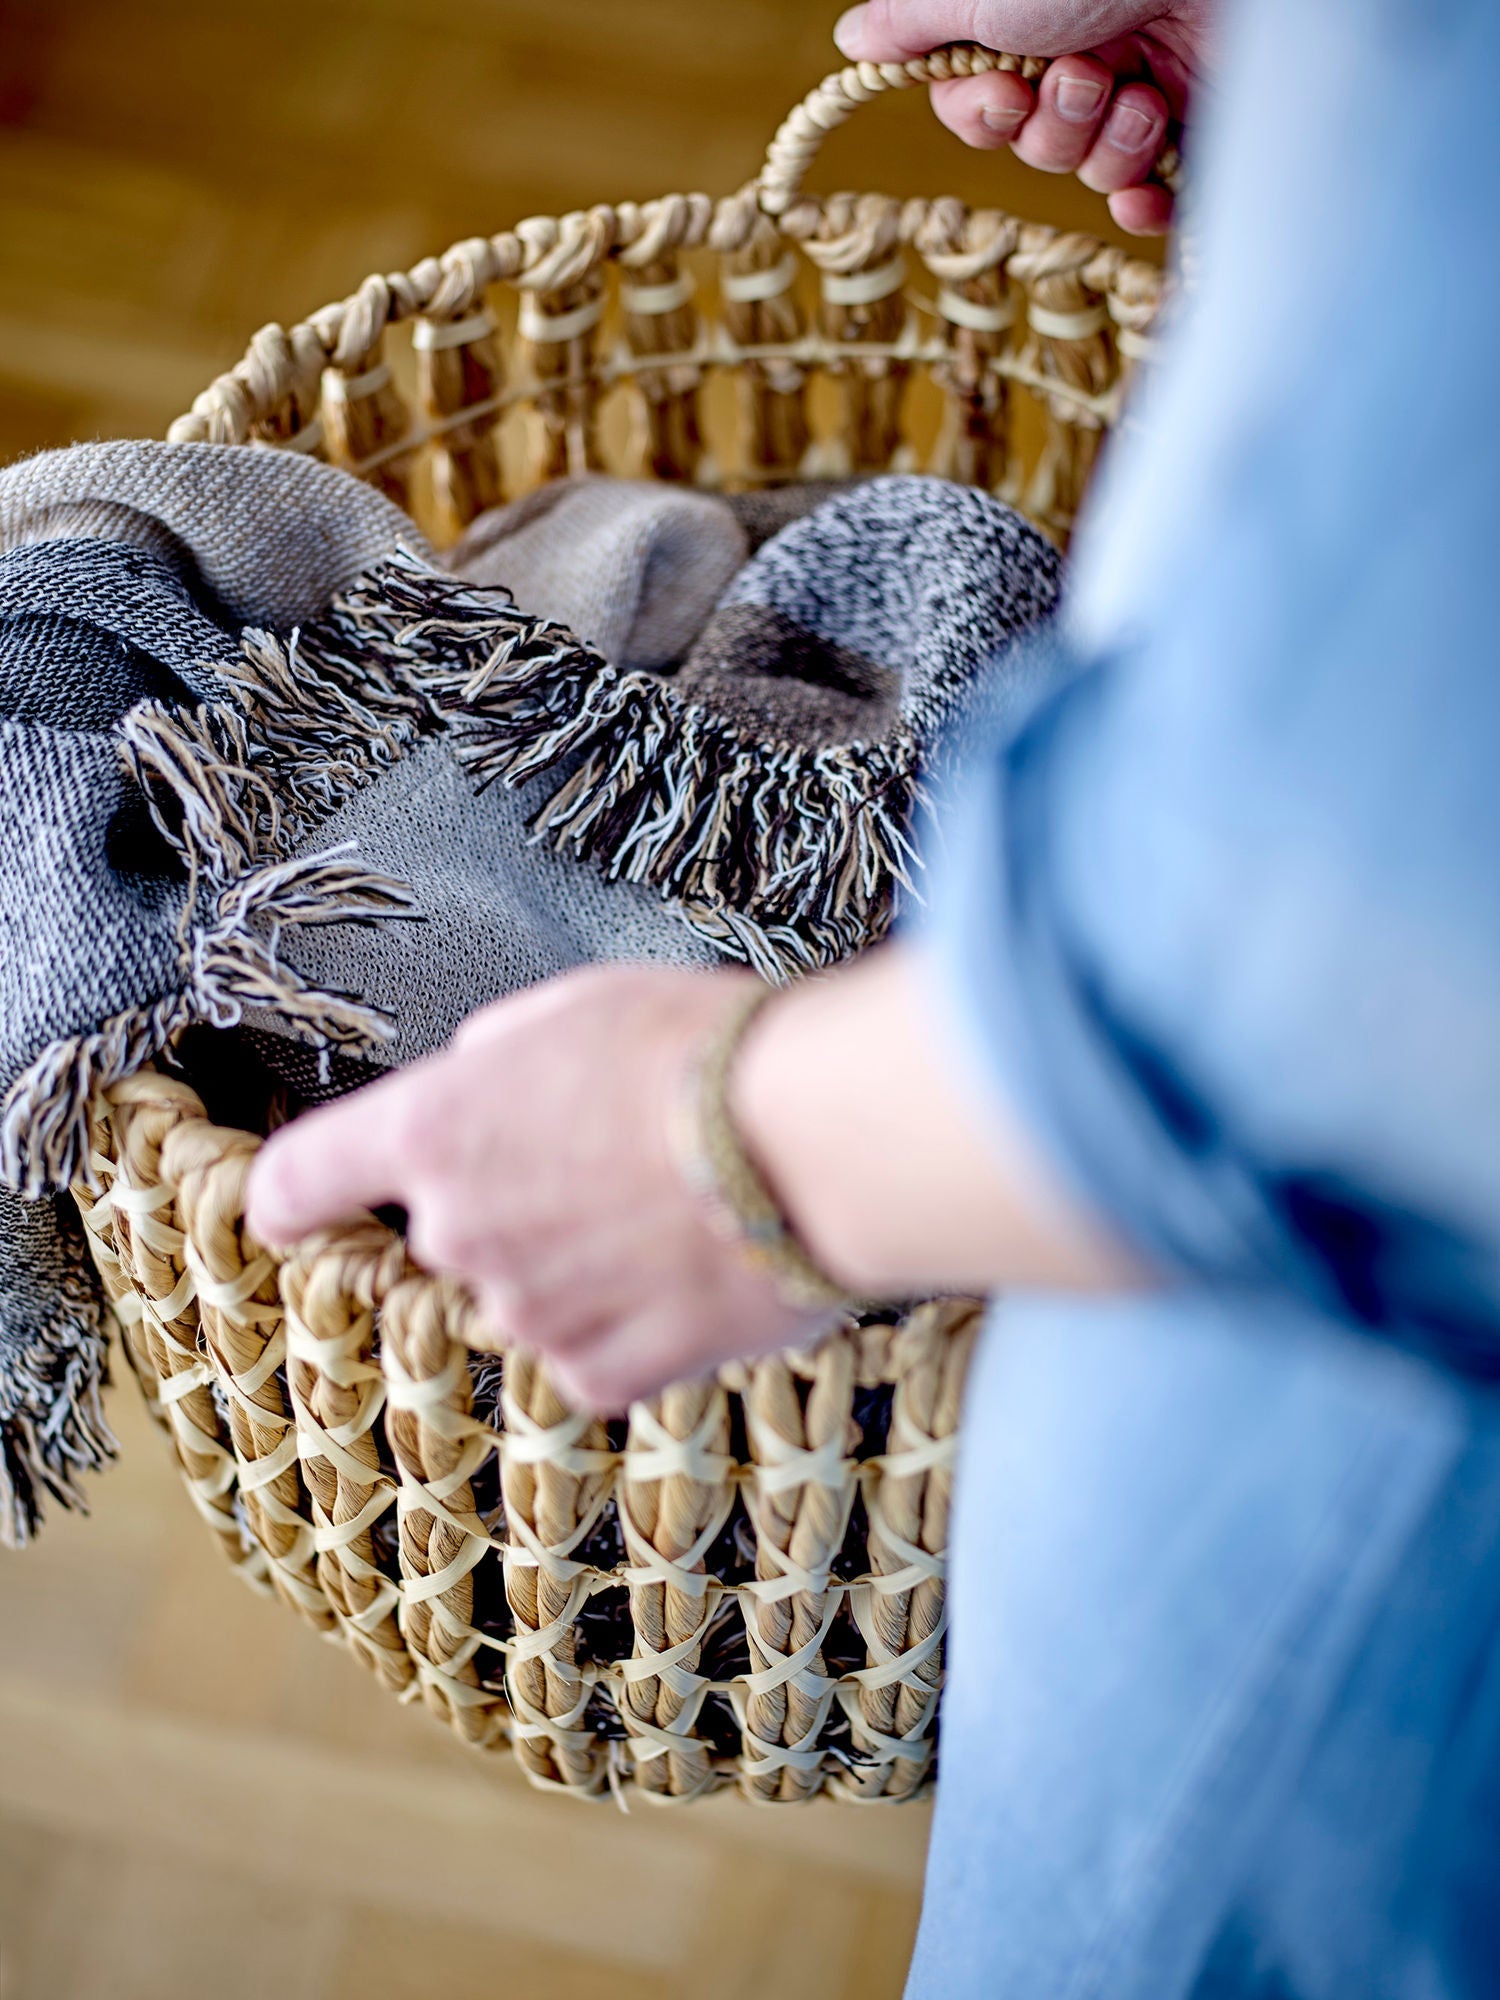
210, 801
785, 856
327, 719
55, 1432
53, 1429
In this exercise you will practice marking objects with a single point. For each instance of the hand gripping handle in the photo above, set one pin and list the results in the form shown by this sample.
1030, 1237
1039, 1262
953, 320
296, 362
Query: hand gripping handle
839, 96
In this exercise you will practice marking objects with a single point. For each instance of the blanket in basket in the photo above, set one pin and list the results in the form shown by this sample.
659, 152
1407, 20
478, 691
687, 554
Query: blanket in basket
250, 728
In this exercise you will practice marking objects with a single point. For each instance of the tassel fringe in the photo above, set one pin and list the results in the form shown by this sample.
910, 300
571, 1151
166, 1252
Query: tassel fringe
62, 1371
212, 802
326, 719
786, 857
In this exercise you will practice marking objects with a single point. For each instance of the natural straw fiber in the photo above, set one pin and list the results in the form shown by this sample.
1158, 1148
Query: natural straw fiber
743, 1582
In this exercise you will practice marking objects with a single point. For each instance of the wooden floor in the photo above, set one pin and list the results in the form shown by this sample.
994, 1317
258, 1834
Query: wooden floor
196, 1797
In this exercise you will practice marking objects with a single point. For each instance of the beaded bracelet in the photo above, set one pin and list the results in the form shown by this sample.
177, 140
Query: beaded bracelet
720, 1171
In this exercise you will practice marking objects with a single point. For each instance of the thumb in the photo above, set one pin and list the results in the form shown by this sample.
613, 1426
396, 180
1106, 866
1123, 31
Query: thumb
896, 30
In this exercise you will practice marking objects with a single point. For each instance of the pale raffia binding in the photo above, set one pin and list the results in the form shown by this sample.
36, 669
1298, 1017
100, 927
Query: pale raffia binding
744, 1583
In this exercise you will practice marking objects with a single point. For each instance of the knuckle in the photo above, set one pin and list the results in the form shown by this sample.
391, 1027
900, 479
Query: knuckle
531, 1316
1098, 175
478, 1026
598, 1386
1038, 151
591, 985
974, 21
534, 1317
415, 1131
437, 1242
278, 1177
1142, 211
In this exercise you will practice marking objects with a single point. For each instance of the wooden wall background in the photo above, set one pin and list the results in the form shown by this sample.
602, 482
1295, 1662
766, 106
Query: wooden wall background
196, 1797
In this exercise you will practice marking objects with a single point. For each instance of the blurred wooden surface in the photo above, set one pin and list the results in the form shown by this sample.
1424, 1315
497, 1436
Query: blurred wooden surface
173, 173
199, 1797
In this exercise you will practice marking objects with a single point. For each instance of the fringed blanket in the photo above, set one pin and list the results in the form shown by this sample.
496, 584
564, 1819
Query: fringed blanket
250, 736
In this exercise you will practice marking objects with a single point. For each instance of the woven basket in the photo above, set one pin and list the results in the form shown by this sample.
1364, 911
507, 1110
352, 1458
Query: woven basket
743, 1582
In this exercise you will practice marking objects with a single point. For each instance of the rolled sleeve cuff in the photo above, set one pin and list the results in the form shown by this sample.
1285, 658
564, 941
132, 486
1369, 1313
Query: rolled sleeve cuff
1126, 1132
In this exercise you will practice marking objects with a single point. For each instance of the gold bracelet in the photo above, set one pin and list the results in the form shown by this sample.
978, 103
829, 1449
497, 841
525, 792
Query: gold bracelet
720, 1171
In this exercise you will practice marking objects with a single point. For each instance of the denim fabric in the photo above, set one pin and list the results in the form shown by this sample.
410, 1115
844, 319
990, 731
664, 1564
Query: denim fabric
1223, 1717
1221, 925
1223, 917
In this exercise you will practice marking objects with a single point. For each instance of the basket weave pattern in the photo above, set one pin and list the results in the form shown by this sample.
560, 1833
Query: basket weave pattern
549, 318
743, 1583
554, 1582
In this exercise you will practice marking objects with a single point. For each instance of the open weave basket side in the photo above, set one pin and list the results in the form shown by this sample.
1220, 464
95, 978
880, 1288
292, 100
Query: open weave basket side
743, 1584
1029, 335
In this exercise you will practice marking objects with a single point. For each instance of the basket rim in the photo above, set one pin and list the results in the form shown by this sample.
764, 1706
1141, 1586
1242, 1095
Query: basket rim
562, 255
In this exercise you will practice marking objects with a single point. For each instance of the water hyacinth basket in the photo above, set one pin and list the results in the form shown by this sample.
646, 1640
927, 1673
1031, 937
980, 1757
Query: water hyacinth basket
742, 1583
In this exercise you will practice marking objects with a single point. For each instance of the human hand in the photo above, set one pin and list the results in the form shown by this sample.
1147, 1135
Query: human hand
533, 1158
1126, 68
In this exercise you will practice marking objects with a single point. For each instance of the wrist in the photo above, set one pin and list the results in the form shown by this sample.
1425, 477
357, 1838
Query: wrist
783, 1095
900, 1177
726, 1178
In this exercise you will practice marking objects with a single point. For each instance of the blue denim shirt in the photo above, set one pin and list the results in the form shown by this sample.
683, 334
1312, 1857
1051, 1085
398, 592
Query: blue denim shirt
1224, 917
1220, 921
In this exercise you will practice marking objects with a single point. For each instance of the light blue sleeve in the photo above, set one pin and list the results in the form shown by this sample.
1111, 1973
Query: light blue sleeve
1224, 916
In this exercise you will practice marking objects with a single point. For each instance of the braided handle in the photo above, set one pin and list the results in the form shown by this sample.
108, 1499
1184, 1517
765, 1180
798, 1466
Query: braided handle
839, 96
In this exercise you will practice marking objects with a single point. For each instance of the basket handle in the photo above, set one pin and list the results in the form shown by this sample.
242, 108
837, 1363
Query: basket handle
839, 96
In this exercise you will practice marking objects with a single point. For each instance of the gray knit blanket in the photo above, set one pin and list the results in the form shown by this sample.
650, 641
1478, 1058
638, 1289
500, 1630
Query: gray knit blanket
286, 797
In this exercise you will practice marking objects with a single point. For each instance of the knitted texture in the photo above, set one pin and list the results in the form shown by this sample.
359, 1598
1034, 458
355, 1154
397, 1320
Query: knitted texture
634, 567
250, 819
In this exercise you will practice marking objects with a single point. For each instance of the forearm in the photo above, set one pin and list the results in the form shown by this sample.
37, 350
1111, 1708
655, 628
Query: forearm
902, 1174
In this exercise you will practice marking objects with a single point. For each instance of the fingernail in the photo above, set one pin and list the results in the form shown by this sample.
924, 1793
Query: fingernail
1079, 98
997, 118
1129, 127
849, 34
